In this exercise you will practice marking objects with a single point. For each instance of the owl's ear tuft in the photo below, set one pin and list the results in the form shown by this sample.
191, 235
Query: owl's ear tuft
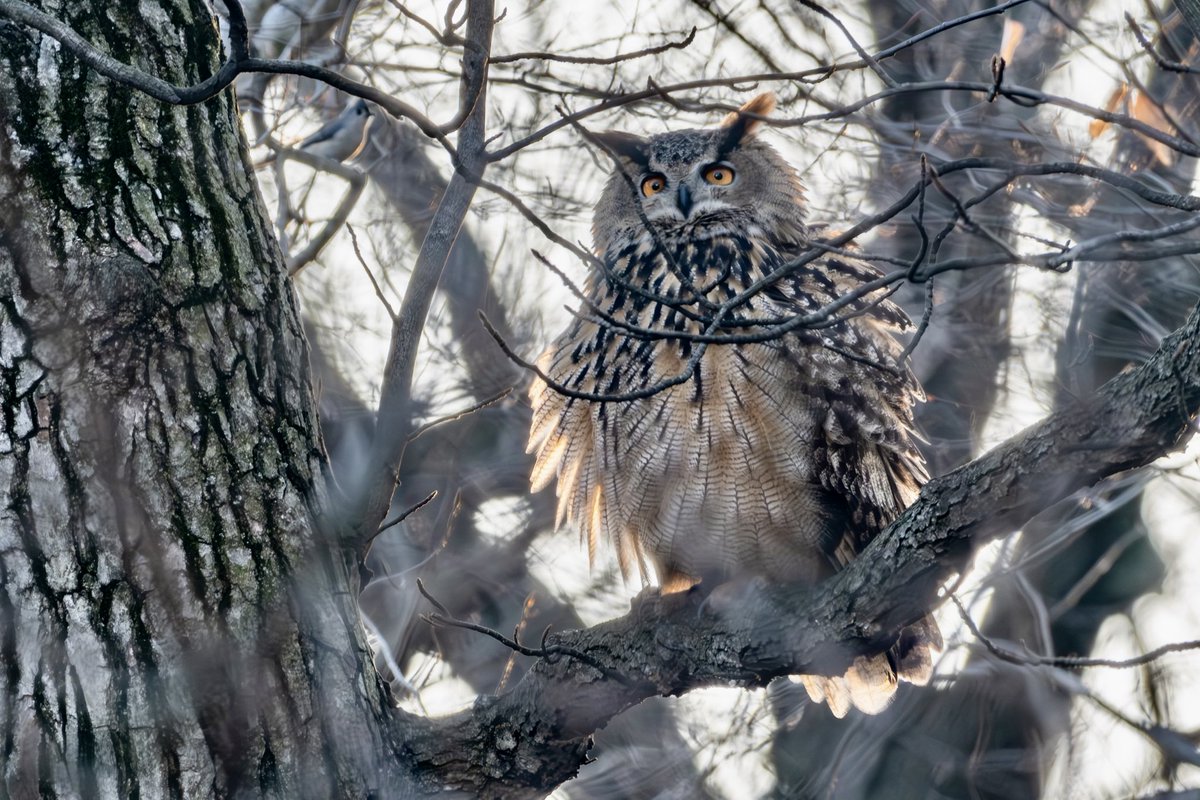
744, 123
625, 145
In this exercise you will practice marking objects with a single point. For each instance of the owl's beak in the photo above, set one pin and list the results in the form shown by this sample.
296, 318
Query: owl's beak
685, 199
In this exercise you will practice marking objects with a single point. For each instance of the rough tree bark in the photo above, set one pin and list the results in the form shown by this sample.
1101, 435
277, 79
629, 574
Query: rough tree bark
173, 622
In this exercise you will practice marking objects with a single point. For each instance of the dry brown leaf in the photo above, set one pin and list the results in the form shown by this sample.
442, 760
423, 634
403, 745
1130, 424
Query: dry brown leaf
1082, 209
1014, 32
1099, 126
1148, 112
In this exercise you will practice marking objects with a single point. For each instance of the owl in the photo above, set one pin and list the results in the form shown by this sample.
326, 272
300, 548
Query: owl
693, 423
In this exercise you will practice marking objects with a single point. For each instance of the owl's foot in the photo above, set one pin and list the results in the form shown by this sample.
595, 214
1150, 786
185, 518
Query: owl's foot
672, 581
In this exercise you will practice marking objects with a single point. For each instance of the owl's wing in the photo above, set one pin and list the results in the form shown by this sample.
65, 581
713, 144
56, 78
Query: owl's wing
871, 466
874, 482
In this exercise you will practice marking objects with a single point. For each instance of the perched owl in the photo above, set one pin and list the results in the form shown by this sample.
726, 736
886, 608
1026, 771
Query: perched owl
769, 449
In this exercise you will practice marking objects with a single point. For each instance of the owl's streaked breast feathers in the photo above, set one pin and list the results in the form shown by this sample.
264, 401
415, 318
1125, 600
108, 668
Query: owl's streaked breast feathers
781, 456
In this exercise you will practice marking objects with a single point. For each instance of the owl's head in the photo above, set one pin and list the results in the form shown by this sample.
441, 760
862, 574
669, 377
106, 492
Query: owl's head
699, 183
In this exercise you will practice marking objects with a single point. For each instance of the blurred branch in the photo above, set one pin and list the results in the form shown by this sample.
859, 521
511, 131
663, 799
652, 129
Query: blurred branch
866, 57
362, 262
1190, 9
1174, 745
1163, 63
356, 180
446, 37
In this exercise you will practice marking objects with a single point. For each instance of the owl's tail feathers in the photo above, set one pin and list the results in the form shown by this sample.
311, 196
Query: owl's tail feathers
871, 681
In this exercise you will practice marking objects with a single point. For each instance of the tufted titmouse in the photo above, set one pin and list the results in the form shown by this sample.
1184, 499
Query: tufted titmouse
342, 138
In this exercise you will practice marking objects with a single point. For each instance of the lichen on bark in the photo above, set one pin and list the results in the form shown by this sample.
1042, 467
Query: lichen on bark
169, 606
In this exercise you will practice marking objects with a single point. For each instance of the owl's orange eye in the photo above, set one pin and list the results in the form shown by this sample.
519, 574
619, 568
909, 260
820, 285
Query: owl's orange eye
719, 175
653, 184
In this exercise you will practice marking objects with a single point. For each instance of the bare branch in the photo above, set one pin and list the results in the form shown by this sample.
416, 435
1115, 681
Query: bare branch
1163, 63
370, 276
408, 512
457, 415
356, 180
867, 58
551, 652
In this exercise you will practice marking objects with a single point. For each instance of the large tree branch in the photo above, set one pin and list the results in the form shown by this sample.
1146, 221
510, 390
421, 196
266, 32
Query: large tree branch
535, 736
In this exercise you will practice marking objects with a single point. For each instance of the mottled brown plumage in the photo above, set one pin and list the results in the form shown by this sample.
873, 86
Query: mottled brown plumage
781, 455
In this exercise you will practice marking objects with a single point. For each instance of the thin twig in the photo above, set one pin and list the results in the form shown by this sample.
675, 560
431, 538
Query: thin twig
1163, 63
547, 56
1069, 662
867, 58
998, 65
547, 651
922, 326
919, 220
370, 276
457, 415
357, 181
407, 512
683, 376
1173, 744
447, 37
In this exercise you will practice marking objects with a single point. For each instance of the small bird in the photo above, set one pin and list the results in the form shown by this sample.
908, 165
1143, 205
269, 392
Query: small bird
785, 450
340, 139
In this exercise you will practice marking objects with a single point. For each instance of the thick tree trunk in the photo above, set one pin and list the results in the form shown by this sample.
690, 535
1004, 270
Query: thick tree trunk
172, 621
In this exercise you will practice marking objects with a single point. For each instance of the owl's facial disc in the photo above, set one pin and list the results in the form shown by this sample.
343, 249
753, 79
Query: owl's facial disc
699, 184
686, 193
